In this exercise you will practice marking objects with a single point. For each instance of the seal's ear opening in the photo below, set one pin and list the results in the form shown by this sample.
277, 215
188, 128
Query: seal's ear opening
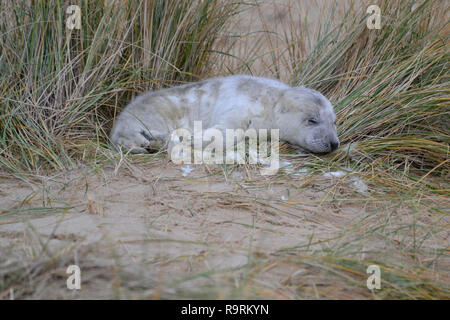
287, 101
283, 108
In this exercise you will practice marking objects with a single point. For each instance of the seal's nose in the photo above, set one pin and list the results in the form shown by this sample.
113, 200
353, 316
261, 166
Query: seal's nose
334, 145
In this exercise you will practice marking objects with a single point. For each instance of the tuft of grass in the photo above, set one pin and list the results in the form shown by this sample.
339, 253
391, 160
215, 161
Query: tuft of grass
60, 88
390, 87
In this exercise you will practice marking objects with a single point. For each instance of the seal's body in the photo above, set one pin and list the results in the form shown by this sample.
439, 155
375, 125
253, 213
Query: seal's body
304, 117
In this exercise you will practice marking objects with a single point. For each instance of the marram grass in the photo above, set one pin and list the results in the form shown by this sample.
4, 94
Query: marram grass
61, 89
391, 88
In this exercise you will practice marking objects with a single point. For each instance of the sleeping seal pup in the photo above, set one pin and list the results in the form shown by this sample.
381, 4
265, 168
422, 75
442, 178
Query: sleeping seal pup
304, 117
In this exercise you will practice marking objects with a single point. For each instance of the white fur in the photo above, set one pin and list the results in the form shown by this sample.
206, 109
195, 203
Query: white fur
232, 102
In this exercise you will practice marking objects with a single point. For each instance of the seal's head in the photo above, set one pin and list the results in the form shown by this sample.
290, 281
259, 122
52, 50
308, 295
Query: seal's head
306, 119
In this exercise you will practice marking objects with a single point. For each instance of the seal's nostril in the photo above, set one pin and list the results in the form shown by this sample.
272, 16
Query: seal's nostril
334, 145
